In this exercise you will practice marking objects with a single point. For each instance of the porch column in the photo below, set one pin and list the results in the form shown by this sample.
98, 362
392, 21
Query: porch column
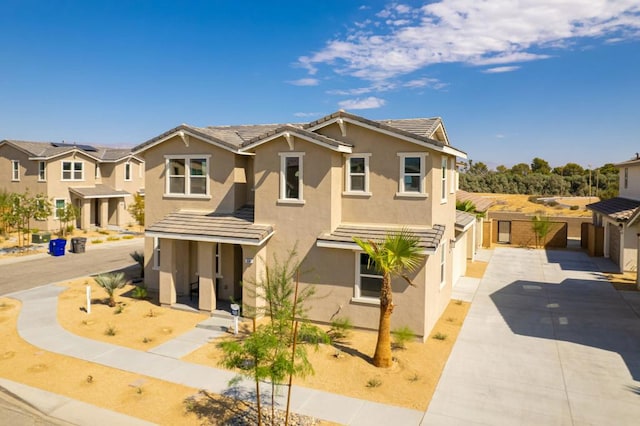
103, 217
206, 272
167, 272
120, 213
253, 271
85, 214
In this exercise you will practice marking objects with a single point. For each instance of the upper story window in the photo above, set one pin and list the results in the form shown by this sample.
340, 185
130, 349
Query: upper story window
445, 162
291, 180
357, 174
368, 279
626, 177
15, 170
127, 171
412, 174
42, 171
72, 170
187, 175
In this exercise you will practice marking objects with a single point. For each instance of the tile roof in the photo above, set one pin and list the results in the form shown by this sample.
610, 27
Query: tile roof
237, 227
98, 191
51, 149
464, 219
618, 208
482, 203
429, 238
419, 126
325, 140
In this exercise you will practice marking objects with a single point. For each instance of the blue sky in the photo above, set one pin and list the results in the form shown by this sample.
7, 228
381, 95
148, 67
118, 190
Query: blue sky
556, 79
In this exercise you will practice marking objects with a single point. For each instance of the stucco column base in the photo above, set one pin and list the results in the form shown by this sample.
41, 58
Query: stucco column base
167, 273
206, 279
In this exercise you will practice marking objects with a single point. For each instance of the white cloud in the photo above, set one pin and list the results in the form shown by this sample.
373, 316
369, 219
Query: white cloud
425, 82
498, 70
305, 82
306, 114
366, 103
401, 39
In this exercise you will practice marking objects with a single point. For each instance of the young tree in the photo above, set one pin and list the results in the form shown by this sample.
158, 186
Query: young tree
110, 283
137, 208
541, 227
397, 254
270, 352
66, 215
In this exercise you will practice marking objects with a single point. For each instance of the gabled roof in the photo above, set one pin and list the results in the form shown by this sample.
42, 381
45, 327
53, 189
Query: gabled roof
49, 150
464, 220
234, 228
403, 129
243, 138
342, 237
618, 208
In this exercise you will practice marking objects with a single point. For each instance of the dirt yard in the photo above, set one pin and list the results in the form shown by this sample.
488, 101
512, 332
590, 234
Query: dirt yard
343, 368
521, 203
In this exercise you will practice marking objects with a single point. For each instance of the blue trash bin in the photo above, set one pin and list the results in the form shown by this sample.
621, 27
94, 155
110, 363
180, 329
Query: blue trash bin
56, 246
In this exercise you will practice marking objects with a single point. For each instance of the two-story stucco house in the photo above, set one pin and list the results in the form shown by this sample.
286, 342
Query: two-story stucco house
99, 181
616, 222
222, 201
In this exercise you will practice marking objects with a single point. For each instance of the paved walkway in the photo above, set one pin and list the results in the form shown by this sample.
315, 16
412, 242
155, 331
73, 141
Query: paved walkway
547, 341
37, 324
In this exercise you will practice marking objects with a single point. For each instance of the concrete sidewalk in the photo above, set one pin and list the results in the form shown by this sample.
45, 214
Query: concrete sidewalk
547, 341
37, 324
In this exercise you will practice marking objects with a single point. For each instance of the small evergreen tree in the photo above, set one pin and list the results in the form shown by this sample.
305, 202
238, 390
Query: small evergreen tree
541, 227
136, 209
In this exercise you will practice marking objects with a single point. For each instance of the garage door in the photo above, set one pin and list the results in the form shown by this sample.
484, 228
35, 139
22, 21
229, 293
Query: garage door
614, 243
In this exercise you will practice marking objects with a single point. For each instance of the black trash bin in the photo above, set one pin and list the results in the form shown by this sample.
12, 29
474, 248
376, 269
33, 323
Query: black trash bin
78, 244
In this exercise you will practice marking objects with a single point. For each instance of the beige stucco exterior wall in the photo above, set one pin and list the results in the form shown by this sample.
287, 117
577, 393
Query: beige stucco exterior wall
632, 190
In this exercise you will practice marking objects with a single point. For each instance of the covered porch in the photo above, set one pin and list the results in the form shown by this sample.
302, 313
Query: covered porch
99, 206
202, 258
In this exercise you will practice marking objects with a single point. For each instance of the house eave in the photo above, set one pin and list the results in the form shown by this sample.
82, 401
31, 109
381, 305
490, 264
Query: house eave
355, 247
209, 239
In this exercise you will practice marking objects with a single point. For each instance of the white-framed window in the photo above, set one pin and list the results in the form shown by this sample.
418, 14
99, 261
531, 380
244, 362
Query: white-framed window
357, 174
15, 170
443, 264
444, 164
187, 175
127, 171
42, 171
626, 177
412, 174
156, 253
218, 260
72, 170
291, 177
58, 205
368, 280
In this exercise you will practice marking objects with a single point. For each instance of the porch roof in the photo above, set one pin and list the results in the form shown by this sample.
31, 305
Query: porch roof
464, 220
617, 208
98, 191
342, 237
232, 228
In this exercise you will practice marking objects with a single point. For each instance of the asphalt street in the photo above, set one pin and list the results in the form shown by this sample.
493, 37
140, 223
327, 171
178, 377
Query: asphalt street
25, 272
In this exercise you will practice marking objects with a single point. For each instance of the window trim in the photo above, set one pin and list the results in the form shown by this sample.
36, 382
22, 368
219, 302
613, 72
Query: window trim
187, 176
15, 170
423, 166
128, 167
55, 207
357, 297
282, 199
218, 258
444, 164
98, 172
347, 175
42, 171
72, 171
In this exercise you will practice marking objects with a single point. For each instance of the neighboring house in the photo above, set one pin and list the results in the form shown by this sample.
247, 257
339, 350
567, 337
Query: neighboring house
221, 202
616, 222
99, 181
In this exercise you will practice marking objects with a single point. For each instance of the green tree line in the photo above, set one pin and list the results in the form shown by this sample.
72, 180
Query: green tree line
538, 178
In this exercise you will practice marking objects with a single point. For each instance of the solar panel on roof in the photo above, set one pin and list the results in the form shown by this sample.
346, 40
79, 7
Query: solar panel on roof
87, 148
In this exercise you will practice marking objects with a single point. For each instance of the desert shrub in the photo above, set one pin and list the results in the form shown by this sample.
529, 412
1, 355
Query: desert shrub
112, 238
110, 331
127, 237
574, 207
340, 328
110, 283
440, 336
139, 292
96, 241
311, 334
402, 336
374, 383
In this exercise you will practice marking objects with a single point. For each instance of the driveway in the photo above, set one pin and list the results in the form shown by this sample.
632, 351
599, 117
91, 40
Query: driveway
21, 273
547, 341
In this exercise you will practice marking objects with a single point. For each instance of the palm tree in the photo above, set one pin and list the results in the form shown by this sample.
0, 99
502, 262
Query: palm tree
397, 254
110, 283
